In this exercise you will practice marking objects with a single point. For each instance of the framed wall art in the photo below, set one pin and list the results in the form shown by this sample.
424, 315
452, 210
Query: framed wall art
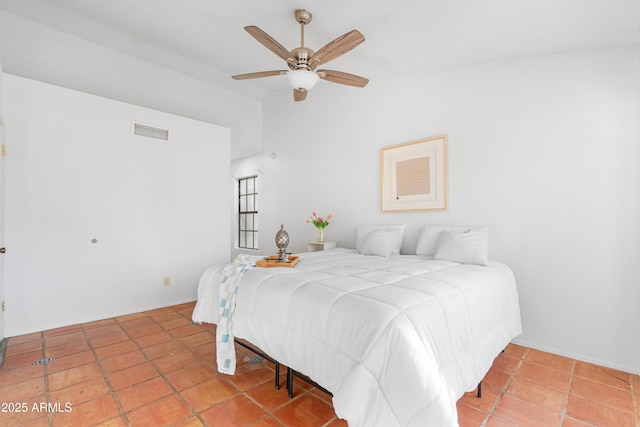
415, 176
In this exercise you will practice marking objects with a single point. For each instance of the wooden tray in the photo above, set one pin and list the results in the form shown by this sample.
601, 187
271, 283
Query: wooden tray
272, 261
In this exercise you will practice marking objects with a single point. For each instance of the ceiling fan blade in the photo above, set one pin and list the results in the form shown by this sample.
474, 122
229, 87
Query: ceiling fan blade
269, 42
299, 94
342, 78
259, 75
336, 48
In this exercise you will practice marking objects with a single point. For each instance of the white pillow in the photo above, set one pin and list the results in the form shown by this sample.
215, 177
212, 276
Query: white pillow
467, 246
380, 242
429, 236
364, 229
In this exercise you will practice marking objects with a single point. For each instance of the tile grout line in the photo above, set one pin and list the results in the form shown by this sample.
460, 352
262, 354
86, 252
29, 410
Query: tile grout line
243, 392
105, 376
269, 413
197, 413
634, 399
151, 361
565, 402
45, 373
240, 391
299, 394
504, 390
630, 389
161, 374
199, 351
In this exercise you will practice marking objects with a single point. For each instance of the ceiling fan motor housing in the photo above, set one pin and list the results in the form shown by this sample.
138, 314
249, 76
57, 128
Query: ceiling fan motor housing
302, 55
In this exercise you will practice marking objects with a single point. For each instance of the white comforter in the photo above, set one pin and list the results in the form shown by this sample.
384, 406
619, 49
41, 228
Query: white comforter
396, 340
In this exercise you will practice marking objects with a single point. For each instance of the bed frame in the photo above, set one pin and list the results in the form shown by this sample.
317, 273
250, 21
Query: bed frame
291, 373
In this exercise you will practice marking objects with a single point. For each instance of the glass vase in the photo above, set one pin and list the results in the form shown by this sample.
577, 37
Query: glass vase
321, 235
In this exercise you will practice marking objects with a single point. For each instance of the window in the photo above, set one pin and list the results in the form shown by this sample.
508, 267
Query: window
247, 213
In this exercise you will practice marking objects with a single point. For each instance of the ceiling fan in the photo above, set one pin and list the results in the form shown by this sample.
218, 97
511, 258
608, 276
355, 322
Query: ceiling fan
303, 62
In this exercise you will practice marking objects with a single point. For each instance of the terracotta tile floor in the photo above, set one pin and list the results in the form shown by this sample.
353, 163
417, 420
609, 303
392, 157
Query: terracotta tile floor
157, 369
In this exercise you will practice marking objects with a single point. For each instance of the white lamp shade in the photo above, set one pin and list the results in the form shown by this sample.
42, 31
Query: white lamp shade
302, 79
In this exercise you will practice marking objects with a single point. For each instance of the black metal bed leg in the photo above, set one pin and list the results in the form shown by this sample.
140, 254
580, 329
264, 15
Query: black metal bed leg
479, 389
277, 375
290, 381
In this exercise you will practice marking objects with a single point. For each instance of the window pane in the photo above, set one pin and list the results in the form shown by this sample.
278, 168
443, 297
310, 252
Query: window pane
247, 213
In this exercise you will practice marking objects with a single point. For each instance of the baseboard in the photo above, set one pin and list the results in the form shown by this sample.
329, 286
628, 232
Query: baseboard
579, 357
102, 317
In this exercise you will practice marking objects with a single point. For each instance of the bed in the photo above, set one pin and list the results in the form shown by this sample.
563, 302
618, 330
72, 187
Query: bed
397, 339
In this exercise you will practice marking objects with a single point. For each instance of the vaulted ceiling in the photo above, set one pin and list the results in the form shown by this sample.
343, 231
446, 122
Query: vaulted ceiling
205, 38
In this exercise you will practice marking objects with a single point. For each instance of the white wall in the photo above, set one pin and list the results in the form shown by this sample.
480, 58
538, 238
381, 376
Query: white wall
38, 52
543, 151
75, 172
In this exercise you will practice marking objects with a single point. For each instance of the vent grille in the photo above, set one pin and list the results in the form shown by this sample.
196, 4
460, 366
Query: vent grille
44, 361
150, 132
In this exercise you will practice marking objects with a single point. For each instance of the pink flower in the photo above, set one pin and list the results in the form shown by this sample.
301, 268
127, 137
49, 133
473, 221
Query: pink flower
319, 222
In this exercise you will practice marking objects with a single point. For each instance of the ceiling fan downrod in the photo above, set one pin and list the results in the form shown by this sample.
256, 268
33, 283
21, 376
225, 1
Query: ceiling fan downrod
302, 53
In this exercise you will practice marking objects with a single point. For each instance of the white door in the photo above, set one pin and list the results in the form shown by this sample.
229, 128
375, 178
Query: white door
1, 213
1, 221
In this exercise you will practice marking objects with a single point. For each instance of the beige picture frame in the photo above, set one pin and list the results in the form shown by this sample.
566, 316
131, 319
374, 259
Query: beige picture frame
415, 176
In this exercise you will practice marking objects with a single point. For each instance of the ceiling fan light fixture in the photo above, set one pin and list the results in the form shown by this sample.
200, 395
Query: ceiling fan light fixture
302, 79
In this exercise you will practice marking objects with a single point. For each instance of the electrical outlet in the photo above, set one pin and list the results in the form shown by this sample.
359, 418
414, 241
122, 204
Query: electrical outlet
167, 281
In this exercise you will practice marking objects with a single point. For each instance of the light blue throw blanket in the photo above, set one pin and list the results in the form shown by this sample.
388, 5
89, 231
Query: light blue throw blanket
225, 348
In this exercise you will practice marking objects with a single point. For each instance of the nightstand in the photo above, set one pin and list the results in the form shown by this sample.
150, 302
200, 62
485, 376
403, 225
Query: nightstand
320, 246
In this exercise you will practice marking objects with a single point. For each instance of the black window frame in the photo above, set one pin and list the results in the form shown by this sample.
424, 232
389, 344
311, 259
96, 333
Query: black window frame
247, 213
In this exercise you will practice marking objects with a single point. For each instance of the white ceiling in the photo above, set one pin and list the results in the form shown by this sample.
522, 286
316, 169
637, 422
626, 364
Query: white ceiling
205, 38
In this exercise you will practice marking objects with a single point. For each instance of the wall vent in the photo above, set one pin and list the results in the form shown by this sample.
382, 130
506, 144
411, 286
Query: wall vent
150, 132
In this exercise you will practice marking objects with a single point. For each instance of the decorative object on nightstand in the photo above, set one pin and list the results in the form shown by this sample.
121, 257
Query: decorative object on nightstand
272, 261
284, 258
282, 241
320, 223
